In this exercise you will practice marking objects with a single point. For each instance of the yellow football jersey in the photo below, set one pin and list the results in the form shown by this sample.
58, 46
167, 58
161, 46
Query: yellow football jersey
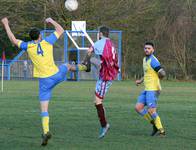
151, 79
41, 54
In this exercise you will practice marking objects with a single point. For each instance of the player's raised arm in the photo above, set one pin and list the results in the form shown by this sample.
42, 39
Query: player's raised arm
59, 29
11, 36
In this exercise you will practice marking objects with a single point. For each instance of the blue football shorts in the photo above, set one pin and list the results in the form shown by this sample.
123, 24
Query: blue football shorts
47, 84
149, 98
102, 87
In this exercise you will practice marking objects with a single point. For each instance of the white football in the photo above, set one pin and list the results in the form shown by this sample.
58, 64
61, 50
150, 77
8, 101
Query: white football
71, 5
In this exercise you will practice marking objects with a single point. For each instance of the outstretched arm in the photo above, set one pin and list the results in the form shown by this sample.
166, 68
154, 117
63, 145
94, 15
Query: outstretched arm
11, 36
59, 29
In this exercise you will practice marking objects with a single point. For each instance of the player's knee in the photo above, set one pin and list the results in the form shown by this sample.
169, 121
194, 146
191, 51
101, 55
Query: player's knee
98, 100
68, 66
138, 107
152, 110
44, 106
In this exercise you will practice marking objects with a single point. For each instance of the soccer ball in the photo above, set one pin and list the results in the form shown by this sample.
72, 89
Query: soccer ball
71, 5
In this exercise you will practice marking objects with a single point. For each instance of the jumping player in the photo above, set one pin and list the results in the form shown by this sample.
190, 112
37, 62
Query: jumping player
108, 72
40, 51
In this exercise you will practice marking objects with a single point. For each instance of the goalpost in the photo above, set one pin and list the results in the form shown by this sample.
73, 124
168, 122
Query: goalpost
79, 29
79, 36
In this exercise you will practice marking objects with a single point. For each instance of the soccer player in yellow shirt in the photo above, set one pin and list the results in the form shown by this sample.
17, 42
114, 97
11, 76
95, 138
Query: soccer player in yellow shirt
153, 72
40, 51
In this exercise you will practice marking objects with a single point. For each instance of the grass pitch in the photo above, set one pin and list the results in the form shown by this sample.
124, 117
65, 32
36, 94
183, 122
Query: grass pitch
74, 123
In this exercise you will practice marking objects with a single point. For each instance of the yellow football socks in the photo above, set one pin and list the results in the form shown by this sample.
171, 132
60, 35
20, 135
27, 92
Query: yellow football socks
45, 124
148, 117
158, 123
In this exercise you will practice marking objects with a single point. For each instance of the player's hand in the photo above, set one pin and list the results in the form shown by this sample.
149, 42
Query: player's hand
138, 82
49, 20
4, 21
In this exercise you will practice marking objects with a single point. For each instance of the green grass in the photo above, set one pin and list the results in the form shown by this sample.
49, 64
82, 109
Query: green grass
74, 123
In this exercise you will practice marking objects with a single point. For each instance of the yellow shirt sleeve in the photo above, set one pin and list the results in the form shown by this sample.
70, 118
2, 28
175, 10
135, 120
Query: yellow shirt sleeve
56, 34
19, 43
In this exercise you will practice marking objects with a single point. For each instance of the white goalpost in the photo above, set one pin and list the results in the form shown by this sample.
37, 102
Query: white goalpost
79, 29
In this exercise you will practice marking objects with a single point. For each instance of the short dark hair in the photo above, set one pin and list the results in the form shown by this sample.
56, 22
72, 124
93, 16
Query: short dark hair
34, 33
149, 43
104, 30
